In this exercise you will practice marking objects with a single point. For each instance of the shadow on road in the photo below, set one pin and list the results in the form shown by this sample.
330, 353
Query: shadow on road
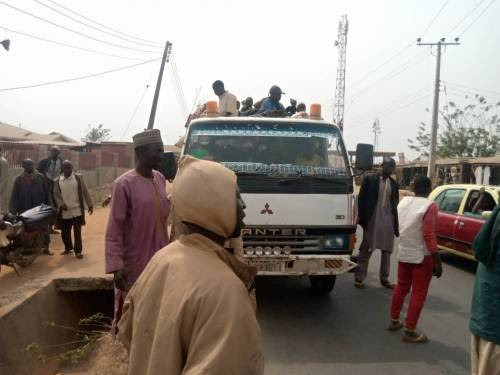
348, 326
458, 262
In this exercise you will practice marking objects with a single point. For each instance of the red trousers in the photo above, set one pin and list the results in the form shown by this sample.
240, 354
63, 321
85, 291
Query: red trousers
416, 277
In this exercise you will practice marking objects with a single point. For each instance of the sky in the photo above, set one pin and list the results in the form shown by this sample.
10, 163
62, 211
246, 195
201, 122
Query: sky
250, 46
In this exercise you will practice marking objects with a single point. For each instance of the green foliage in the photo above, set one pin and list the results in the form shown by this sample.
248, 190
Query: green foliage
422, 141
83, 344
464, 131
97, 134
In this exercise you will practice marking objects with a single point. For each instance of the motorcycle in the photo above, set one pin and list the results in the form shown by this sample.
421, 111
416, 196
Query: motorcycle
22, 237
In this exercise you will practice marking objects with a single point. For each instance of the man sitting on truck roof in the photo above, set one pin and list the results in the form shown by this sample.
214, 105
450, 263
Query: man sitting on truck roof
227, 101
272, 102
301, 111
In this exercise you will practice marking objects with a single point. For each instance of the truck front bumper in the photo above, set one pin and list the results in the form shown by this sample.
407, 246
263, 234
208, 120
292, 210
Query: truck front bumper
300, 265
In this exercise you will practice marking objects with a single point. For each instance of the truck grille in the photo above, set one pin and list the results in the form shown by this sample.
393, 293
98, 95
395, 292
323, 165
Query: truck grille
297, 245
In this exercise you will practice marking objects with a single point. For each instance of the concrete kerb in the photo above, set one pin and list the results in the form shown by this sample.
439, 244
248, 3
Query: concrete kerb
63, 301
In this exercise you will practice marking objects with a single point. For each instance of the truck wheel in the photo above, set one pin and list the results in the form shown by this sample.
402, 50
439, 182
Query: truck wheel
322, 284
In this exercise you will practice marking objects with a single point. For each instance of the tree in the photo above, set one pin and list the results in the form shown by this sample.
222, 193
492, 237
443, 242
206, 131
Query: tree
468, 131
97, 134
422, 141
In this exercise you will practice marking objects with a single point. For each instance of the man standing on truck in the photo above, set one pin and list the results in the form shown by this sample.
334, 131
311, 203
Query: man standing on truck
378, 215
137, 226
227, 102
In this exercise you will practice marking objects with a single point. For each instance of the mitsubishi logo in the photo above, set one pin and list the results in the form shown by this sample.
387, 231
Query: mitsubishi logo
266, 210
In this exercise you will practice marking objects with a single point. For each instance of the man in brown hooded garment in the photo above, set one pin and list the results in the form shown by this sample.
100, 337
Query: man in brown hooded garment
190, 312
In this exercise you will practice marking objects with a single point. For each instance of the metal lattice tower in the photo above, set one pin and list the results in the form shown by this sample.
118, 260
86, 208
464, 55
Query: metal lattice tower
340, 43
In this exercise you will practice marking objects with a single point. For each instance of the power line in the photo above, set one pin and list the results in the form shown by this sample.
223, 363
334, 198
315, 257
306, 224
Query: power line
93, 27
70, 45
435, 17
74, 31
467, 15
462, 91
380, 66
395, 110
390, 104
395, 72
478, 17
79, 77
473, 88
102, 25
400, 51
180, 92
135, 112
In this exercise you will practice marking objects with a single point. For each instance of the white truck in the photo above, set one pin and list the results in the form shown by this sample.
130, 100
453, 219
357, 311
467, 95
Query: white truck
295, 178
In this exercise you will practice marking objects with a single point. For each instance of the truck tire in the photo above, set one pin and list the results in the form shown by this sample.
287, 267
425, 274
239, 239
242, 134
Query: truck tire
322, 284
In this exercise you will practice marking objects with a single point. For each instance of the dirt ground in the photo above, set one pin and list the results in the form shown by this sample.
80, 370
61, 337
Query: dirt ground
14, 288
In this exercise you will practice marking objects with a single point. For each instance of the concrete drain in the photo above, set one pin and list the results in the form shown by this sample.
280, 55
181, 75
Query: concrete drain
62, 301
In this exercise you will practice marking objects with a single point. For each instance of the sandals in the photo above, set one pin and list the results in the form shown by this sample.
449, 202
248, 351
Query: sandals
414, 337
395, 325
359, 284
387, 284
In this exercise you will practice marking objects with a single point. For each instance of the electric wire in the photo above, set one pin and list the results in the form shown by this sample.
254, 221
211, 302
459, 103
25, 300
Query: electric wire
393, 110
471, 93
93, 27
70, 45
472, 88
79, 77
467, 15
394, 73
135, 111
178, 86
477, 18
380, 66
74, 31
389, 105
102, 25
435, 17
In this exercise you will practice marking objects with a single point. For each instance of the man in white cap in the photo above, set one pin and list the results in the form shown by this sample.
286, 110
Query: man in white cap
137, 226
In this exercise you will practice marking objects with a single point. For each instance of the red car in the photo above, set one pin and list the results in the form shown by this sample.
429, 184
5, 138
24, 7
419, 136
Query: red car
463, 209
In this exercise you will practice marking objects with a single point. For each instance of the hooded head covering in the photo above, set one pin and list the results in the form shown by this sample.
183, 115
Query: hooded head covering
204, 193
147, 137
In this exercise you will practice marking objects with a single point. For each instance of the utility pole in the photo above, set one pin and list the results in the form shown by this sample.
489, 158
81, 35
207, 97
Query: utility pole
341, 43
166, 57
376, 132
431, 169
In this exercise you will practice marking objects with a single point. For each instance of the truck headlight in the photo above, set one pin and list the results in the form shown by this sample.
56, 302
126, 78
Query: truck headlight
276, 250
335, 242
259, 250
249, 250
268, 250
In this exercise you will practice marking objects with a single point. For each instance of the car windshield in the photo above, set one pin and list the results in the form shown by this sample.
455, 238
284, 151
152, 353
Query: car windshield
273, 149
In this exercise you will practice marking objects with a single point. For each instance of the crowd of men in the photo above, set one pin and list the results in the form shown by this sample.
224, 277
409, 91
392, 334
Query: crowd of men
185, 305
270, 106
52, 183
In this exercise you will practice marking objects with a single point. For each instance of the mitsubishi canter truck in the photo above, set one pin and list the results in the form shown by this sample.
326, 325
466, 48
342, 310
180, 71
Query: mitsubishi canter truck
295, 178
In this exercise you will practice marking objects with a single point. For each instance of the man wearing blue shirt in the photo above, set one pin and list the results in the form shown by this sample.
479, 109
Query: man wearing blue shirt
272, 102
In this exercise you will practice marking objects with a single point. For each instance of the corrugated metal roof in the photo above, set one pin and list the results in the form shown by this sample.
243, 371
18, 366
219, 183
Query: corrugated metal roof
10, 133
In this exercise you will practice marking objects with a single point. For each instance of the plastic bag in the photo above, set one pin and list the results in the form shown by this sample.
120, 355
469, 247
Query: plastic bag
38, 217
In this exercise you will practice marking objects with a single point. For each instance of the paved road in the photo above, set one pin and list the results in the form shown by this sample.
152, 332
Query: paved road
344, 333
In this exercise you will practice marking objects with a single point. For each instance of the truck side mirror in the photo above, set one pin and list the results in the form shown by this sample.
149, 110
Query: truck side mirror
168, 166
364, 156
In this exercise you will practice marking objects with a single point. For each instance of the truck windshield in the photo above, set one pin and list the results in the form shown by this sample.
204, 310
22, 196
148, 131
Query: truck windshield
273, 149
